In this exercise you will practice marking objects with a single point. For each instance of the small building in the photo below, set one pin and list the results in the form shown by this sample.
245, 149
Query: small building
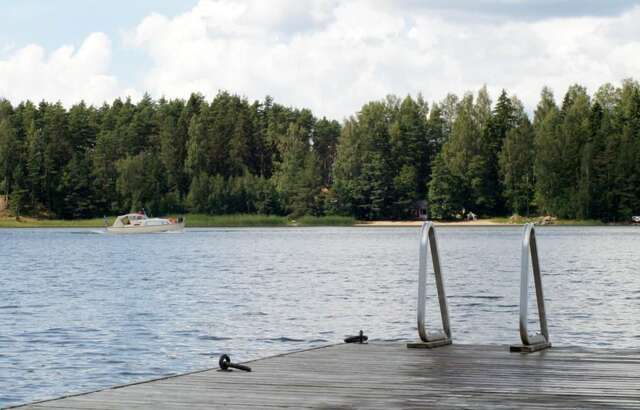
420, 210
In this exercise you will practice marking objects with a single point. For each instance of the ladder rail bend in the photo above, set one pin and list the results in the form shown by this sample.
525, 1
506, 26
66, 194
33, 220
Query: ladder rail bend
530, 251
428, 242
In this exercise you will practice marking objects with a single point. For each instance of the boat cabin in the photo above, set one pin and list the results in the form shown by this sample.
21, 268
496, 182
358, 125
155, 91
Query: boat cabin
129, 219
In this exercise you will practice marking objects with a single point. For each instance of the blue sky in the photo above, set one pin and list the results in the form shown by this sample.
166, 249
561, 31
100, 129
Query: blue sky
52, 23
328, 55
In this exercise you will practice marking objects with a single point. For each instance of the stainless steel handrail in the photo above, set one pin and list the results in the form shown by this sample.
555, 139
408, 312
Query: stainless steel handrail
529, 247
428, 237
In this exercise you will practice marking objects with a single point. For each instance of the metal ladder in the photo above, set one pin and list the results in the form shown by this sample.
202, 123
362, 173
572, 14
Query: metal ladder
539, 341
437, 338
530, 343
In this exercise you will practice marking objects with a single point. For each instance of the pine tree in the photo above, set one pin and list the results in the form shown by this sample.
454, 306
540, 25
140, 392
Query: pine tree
462, 156
8, 159
35, 166
325, 140
198, 199
605, 138
446, 197
516, 165
410, 153
297, 176
197, 161
347, 169
547, 153
627, 168
502, 121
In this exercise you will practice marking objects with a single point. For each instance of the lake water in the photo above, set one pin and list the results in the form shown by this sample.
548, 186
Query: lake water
80, 310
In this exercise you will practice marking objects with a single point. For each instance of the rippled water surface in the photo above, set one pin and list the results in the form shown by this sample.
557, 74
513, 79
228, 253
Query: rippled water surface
81, 310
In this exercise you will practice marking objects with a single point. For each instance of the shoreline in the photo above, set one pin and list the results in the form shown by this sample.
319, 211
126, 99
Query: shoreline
261, 221
391, 224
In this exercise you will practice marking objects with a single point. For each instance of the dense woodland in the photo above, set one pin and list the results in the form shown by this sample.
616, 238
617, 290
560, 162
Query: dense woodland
578, 159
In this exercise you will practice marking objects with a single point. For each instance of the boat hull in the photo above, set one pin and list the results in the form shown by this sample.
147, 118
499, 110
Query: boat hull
128, 230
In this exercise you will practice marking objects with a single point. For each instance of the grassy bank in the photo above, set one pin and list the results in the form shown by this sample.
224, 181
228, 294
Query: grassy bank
204, 221
25, 222
193, 221
254, 220
325, 221
199, 220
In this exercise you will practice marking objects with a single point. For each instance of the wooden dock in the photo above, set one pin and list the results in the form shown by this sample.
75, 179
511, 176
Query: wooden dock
388, 375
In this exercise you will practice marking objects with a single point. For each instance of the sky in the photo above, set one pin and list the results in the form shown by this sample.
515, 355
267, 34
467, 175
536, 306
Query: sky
329, 56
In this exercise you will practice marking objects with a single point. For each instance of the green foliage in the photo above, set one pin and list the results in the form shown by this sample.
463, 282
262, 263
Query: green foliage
240, 220
446, 194
76, 184
244, 194
26, 222
164, 156
331, 220
383, 158
325, 140
231, 156
563, 157
298, 176
468, 161
516, 167
548, 153
193, 221
8, 144
139, 182
505, 118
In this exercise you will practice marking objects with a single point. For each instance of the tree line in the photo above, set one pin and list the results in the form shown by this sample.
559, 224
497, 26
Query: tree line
223, 156
579, 159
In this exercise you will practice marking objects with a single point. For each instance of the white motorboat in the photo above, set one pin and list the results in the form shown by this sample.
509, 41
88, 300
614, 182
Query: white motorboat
140, 223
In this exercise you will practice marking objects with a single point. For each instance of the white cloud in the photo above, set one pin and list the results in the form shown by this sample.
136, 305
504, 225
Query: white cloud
65, 74
335, 56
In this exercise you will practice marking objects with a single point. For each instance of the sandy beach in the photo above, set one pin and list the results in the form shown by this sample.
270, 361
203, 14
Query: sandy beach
478, 222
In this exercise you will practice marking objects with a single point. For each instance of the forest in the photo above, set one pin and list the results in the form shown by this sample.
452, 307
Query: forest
577, 159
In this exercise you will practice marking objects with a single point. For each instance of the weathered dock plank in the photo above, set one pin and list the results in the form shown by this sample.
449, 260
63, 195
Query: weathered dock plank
388, 375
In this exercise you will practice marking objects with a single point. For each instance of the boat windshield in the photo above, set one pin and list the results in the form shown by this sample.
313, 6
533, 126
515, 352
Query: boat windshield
156, 221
